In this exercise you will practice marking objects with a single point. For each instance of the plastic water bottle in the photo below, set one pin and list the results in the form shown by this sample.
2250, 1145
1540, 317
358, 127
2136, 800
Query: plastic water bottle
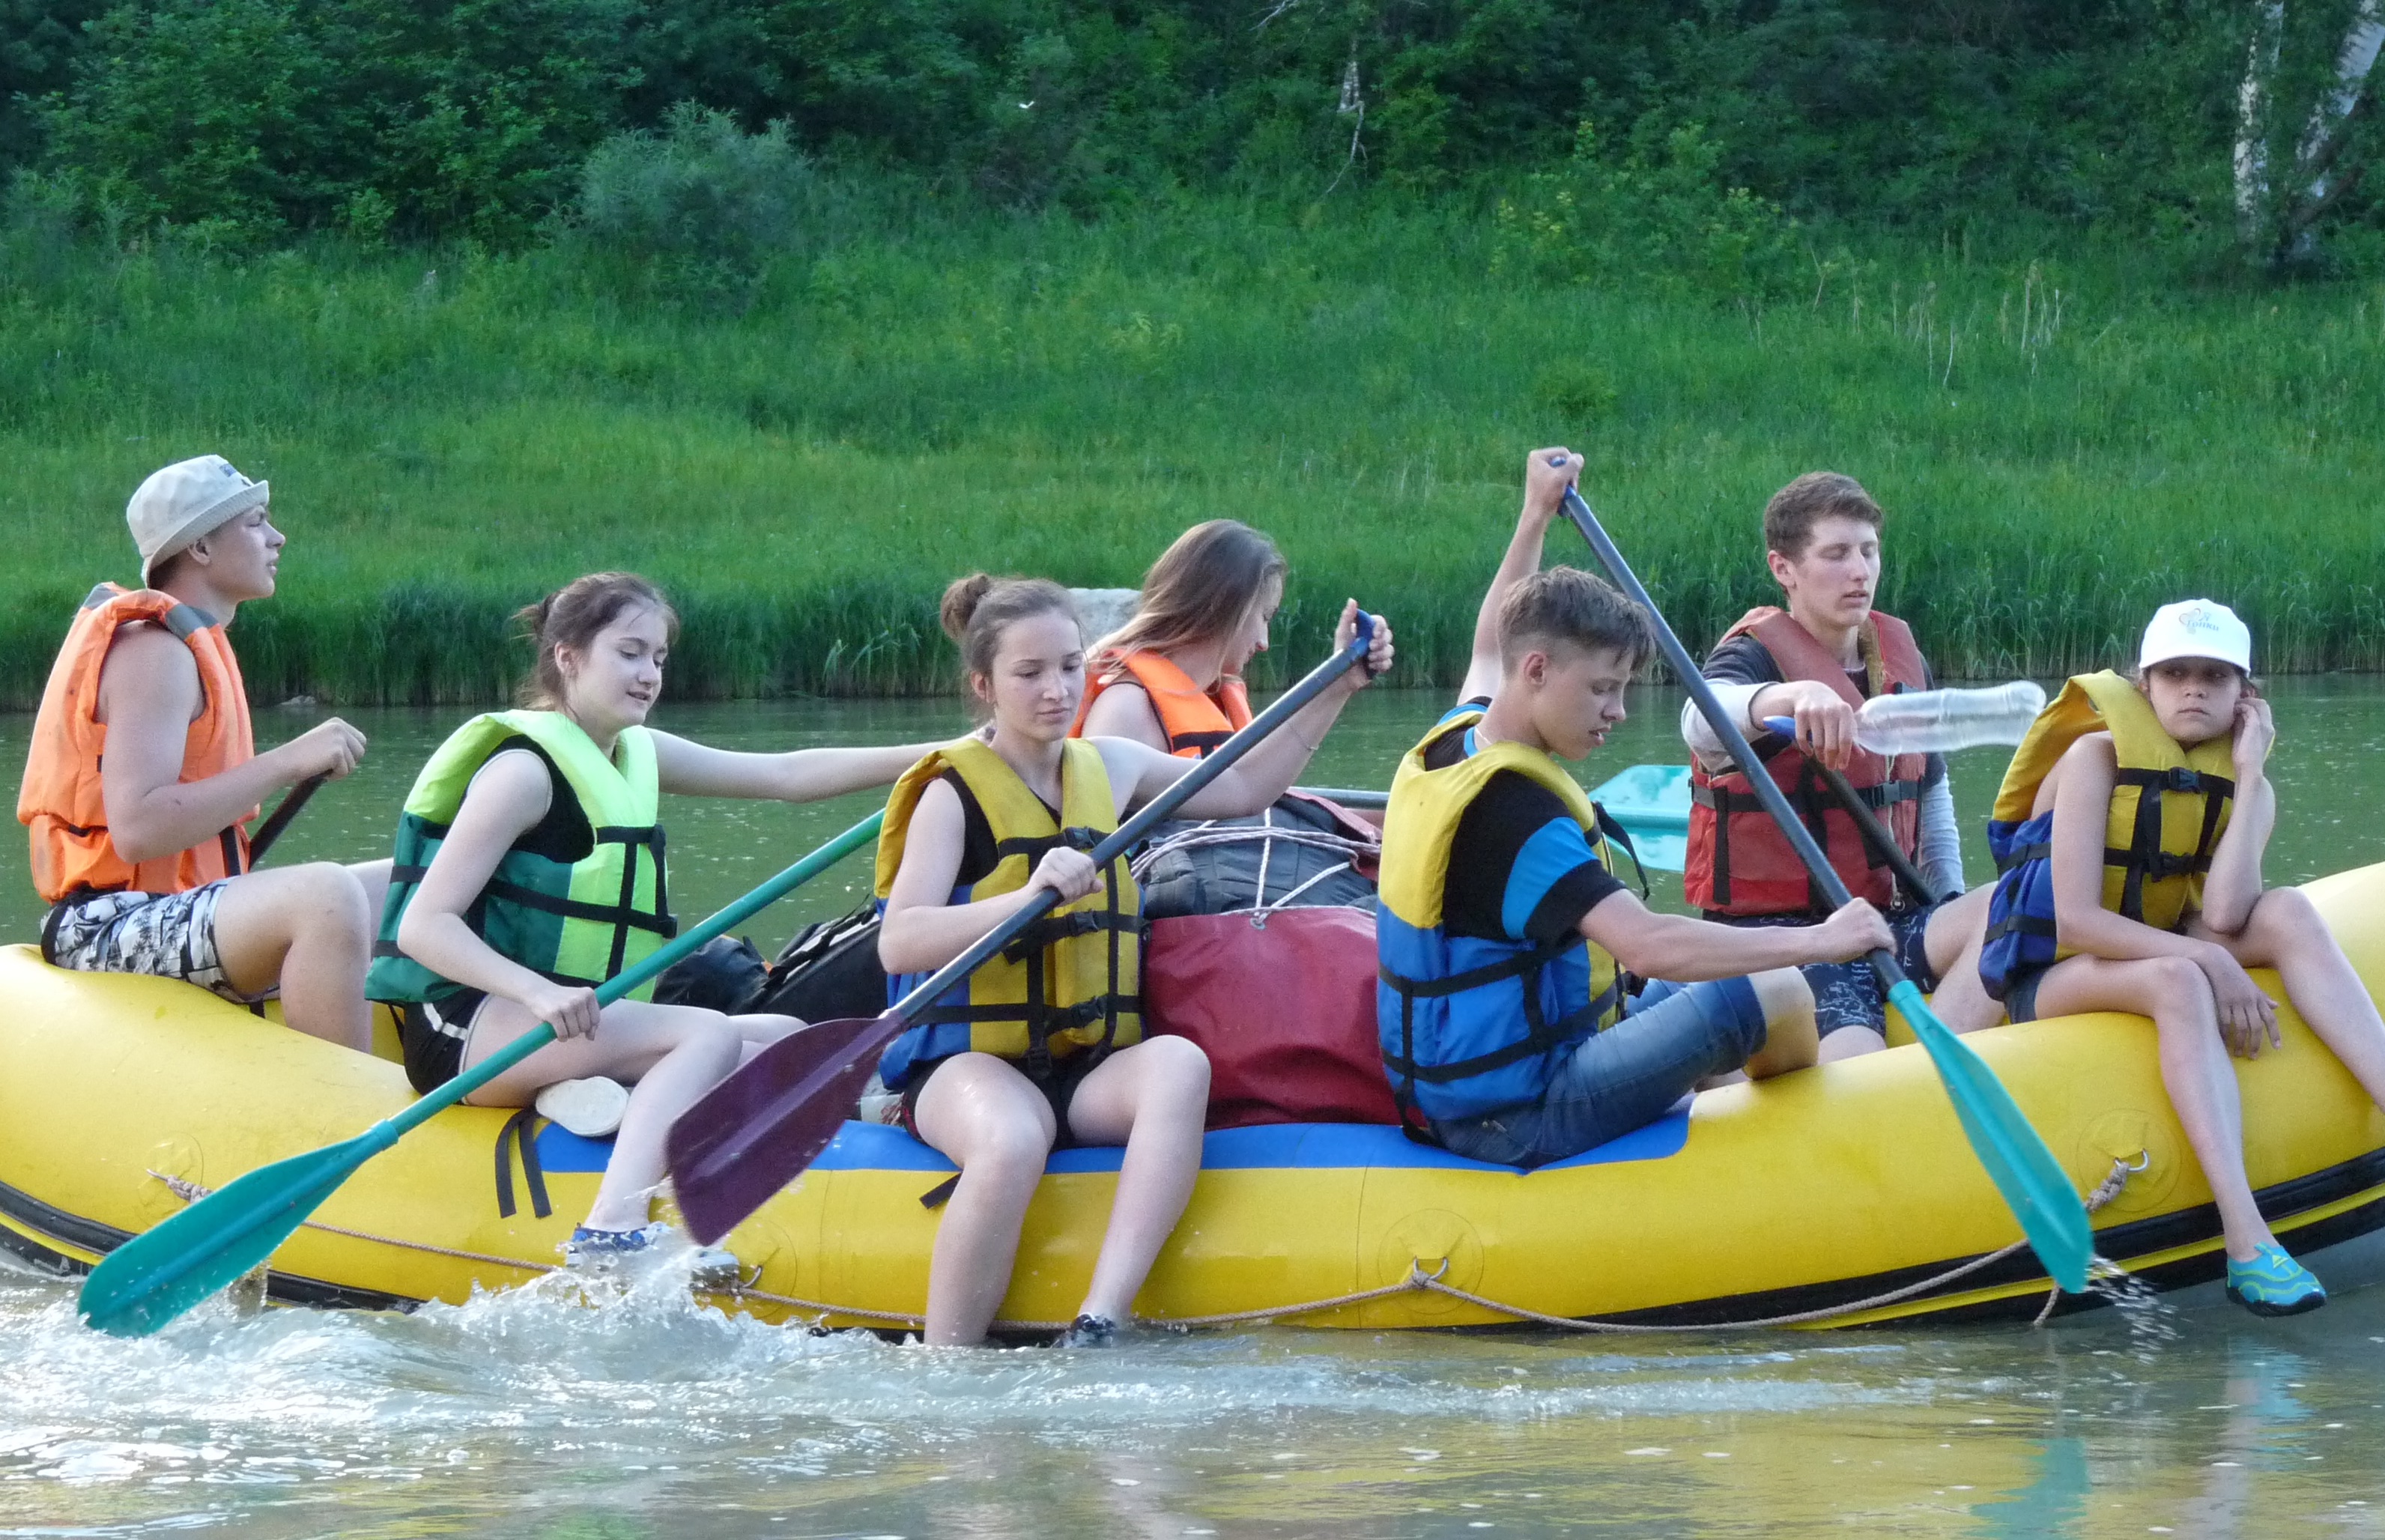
1939, 722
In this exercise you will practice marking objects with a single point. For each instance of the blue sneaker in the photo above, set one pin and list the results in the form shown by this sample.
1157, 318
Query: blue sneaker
2273, 1283
711, 1267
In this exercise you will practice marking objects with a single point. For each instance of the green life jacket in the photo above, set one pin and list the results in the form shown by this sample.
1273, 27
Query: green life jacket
578, 921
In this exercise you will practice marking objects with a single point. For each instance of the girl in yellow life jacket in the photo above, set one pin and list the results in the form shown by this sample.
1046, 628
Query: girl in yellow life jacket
2148, 834
1004, 1068
530, 870
1172, 676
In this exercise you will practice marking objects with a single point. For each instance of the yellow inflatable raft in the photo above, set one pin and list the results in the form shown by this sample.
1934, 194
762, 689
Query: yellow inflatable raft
1813, 1195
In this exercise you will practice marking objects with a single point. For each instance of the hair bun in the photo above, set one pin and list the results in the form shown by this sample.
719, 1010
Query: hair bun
960, 602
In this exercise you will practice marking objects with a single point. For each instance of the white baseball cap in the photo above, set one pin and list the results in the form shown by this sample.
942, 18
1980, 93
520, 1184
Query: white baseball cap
2196, 628
187, 501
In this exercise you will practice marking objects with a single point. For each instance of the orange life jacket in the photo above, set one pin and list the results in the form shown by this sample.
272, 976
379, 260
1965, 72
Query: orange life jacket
1739, 861
1195, 720
61, 803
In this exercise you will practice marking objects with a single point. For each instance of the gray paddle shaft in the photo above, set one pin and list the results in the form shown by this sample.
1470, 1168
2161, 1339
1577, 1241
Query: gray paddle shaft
1734, 742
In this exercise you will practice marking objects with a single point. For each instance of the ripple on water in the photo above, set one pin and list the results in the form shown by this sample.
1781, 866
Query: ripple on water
642, 1399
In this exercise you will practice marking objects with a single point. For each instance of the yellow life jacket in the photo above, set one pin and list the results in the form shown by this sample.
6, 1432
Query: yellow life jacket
1070, 982
2169, 807
1469, 1024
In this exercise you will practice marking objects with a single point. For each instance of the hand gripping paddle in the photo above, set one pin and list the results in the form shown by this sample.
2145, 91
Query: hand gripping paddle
161, 1273
2024, 1171
762, 1126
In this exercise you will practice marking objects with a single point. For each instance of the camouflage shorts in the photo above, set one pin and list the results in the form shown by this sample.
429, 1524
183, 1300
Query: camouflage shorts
171, 935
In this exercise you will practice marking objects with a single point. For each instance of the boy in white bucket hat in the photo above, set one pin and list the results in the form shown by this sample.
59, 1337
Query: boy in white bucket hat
2129, 831
142, 850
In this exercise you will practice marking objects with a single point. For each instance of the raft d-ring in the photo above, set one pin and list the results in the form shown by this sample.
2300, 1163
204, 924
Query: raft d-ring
2144, 1158
1419, 1278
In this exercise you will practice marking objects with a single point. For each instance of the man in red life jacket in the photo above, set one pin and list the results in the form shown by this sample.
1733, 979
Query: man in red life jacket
1815, 661
142, 849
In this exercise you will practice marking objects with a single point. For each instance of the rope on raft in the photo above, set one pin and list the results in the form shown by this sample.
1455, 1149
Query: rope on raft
1418, 1280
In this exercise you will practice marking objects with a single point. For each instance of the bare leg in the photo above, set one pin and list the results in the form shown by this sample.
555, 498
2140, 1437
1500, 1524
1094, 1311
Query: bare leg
1953, 940
673, 1053
1154, 1097
373, 877
988, 1120
1850, 1043
2285, 932
2195, 1069
306, 928
1790, 1042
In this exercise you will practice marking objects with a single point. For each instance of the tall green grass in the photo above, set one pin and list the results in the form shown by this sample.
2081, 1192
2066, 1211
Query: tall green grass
806, 457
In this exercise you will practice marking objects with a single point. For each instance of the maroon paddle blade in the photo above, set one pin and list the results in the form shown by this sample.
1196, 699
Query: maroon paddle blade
758, 1130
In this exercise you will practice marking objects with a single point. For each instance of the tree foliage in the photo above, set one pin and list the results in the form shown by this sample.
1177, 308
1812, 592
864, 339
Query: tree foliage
474, 118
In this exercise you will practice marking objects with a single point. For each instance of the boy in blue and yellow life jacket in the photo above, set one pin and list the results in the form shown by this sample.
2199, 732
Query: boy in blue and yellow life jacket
1503, 935
2128, 832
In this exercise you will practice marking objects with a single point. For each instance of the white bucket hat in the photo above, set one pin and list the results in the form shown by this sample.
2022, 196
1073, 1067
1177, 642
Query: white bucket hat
2196, 628
187, 501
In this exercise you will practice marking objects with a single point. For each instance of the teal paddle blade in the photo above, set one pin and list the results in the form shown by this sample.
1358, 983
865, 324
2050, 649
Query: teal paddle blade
2033, 1182
159, 1273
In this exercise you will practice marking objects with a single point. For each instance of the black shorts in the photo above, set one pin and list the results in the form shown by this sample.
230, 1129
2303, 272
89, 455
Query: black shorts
1849, 993
2020, 994
433, 1033
1059, 1088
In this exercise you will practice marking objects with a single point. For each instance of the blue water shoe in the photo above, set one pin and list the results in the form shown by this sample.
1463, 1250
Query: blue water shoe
2273, 1283
711, 1268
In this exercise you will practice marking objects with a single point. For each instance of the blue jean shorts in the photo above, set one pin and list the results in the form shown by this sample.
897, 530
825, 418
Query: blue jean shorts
1675, 1036
1848, 994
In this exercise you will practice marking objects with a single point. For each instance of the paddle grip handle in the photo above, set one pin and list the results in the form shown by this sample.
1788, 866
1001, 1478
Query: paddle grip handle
1159, 809
637, 973
278, 819
1916, 885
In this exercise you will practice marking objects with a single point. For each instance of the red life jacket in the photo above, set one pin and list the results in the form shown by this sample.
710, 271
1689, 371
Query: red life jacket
60, 801
1739, 861
1195, 720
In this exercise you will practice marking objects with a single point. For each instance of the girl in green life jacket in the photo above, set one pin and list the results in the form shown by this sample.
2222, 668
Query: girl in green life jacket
2129, 831
1046, 1047
530, 870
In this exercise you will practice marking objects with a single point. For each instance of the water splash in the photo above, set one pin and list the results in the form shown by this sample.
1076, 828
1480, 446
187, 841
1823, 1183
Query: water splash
2151, 1320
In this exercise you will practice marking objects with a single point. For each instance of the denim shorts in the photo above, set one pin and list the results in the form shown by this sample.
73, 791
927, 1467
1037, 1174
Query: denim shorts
1848, 994
169, 935
1628, 1075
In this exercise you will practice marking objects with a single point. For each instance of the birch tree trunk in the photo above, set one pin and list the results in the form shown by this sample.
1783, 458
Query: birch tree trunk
2275, 222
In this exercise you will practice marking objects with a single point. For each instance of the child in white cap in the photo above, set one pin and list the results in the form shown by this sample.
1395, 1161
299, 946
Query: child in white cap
143, 778
2129, 831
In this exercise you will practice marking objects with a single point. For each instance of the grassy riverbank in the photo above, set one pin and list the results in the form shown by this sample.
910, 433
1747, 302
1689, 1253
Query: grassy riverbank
806, 460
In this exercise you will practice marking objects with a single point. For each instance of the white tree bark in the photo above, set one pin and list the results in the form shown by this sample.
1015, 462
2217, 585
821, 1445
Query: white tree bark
2252, 123
2269, 224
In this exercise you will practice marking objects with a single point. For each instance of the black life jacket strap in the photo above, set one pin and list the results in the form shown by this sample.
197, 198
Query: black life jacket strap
517, 1132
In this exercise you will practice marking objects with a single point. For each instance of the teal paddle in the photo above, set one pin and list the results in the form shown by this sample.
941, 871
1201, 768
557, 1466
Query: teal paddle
2024, 1171
161, 1273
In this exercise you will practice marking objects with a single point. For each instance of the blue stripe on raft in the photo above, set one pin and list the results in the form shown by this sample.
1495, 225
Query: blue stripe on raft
1297, 1146
560, 1149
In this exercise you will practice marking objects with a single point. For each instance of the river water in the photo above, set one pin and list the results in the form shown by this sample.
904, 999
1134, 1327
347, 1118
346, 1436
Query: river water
547, 1415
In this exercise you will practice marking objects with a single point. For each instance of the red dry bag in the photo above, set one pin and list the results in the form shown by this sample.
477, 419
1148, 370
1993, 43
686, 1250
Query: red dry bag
1283, 1005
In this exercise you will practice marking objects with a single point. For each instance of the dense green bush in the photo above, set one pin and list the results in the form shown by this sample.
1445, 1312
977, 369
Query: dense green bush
1663, 217
701, 191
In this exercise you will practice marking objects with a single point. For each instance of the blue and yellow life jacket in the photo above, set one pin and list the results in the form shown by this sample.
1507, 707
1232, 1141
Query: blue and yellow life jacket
578, 921
1470, 1025
2169, 807
1068, 984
